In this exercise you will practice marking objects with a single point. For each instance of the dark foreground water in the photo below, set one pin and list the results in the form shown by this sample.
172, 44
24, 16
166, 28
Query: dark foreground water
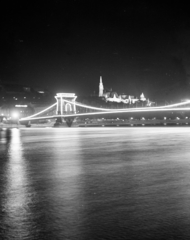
101, 183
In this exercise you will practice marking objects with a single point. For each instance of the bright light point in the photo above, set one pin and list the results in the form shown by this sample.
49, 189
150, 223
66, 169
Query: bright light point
131, 118
165, 118
15, 115
21, 106
186, 118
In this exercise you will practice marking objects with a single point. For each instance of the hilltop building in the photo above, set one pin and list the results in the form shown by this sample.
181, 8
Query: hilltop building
110, 96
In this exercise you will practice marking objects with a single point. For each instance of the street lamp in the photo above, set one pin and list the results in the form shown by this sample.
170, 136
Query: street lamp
15, 117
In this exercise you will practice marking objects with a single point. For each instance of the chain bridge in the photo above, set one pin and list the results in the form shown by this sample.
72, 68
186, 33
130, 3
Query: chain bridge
66, 109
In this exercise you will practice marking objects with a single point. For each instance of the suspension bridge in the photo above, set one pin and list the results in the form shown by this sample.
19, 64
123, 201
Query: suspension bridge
67, 108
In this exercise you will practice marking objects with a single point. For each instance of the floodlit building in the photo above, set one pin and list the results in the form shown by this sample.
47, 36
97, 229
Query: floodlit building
22, 99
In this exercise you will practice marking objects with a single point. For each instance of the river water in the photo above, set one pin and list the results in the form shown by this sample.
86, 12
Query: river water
95, 183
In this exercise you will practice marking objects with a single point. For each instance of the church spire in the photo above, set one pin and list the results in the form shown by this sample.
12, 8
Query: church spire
101, 87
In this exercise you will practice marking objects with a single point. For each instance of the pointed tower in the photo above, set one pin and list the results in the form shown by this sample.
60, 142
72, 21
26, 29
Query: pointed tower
142, 97
101, 87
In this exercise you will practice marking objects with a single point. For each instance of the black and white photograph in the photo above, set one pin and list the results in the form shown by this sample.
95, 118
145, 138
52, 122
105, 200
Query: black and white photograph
94, 120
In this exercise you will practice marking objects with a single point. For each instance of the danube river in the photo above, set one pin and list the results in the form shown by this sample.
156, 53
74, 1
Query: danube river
95, 183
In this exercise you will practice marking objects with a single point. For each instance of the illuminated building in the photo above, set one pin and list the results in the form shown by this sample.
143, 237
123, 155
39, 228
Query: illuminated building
111, 96
22, 100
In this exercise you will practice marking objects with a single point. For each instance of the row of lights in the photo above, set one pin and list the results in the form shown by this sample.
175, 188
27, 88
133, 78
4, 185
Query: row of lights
17, 98
143, 124
165, 118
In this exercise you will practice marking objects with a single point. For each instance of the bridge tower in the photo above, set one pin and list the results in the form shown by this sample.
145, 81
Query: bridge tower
63, 107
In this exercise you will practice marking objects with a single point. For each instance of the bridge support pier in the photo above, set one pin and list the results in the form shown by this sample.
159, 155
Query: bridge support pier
26, 123
69, 121
58, 121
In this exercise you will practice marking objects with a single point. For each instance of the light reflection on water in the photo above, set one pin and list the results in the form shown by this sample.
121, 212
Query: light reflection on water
16, 195
102, 183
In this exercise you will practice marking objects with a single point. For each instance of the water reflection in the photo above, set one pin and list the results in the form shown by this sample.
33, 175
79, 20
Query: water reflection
66, 176
95, 184
55, 170
15, 198
5, 135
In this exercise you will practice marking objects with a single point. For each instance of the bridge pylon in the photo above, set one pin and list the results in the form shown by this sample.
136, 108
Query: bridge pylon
64, 108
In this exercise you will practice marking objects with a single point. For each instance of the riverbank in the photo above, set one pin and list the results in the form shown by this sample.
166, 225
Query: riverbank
106, 123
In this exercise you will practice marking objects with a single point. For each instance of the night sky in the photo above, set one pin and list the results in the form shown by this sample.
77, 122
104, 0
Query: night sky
136, 46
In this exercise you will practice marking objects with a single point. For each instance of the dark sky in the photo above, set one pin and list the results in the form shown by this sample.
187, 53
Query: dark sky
137, 46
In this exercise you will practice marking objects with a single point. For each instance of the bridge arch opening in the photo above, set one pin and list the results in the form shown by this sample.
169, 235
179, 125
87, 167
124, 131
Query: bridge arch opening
68, 107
